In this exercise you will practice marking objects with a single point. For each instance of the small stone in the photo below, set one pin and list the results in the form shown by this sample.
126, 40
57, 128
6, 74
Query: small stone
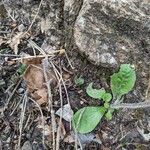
27, 146
107, 58
20, 90
67, 112
21, 28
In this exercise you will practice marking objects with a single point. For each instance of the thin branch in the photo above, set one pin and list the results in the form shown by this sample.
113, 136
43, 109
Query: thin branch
145, 104
42, 116
45, 61
13, 92
34, 18
60, 121
23, 108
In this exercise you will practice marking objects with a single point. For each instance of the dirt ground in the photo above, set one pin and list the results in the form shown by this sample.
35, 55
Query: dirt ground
20, 119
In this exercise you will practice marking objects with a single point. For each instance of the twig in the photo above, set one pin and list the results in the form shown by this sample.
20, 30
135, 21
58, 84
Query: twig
60, 76
15, 107
23, 108
12, 94
68, 60
60, 120
37, 56
34, 18
8, 55
33, 44
148, 88
145, 104
45, 62
42, 116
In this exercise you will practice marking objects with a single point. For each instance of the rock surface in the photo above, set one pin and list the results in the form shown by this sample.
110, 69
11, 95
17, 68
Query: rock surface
110, 32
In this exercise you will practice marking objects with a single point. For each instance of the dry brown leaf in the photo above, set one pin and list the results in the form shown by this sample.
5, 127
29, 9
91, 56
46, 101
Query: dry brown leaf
35, 80
15, 41
40, 96
34, 77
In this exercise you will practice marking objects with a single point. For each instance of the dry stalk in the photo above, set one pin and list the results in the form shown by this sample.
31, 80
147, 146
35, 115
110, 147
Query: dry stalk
45, 62
34, 18
148, 88
42, 118
145, 104
16, 107
23, 108
11, 95
60, 121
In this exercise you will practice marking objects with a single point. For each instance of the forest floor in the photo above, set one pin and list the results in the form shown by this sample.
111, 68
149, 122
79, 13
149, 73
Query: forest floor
24, 107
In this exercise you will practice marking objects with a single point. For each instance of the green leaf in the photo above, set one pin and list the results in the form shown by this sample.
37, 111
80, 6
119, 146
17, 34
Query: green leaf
106, 105
123, 81
107, 97
79, 81
87, 118
95, 93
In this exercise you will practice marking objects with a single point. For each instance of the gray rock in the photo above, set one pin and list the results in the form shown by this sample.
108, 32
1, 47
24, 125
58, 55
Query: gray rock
27, 146
110, 32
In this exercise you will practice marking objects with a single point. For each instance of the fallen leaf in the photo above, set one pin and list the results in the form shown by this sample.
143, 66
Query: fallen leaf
67, 112
40, 96
15, 41
35, 80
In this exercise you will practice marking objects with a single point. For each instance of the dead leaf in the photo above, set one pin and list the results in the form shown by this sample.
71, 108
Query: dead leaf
15, 41
35, 80
40, 96
67, 112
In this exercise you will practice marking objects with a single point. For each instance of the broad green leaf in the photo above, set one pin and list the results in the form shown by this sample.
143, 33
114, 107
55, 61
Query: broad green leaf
79, 81
87, 118
123, 81
95, 93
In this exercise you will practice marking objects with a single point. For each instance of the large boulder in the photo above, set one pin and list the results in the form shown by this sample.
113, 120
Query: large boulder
110, 32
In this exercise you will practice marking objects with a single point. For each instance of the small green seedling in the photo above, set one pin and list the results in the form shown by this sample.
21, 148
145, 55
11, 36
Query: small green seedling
79, 81
87, 118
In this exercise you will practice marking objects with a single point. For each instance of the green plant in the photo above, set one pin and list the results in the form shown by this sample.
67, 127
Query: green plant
87, 118
79, 81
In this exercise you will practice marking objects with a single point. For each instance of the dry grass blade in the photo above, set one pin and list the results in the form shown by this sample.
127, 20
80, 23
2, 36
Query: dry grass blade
10, 97
145, 104
42, 116
33, 44
60, 121
45, 63
23, 108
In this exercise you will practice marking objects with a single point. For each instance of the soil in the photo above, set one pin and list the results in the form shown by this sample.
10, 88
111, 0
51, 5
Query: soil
120, 133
